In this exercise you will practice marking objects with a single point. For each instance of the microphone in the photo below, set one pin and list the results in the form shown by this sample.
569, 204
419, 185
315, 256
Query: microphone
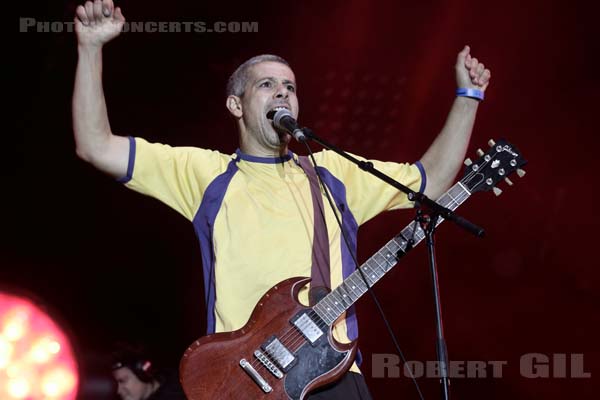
283, 120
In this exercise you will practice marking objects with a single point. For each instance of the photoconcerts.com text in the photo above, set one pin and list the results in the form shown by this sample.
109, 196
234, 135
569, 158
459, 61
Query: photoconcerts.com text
33, 25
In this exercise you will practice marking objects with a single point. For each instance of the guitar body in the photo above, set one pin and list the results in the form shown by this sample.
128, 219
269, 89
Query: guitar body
210, 368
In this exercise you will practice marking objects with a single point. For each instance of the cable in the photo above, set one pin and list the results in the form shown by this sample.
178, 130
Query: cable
369, 289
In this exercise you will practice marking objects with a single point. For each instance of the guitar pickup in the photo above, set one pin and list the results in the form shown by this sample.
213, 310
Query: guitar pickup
279, 353
308, 328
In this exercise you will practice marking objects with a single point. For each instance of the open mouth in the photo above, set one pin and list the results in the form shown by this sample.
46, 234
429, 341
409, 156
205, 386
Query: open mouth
272, 111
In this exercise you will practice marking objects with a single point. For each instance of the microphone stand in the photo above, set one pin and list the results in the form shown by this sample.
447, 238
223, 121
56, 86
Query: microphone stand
428, 225
419, 198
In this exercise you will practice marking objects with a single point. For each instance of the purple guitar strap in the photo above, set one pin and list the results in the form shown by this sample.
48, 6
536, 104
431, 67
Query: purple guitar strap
320, 271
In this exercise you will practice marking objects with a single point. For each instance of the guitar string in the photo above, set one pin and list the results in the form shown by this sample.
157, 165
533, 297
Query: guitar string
458, 200
292, 337
298, 340
294, 340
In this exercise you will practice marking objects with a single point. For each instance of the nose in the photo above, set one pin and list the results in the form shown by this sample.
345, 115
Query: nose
281, 92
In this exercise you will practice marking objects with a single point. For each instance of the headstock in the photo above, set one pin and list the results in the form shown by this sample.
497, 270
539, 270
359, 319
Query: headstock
501, 160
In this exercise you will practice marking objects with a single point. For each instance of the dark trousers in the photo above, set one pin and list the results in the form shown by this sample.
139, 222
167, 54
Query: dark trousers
351, 386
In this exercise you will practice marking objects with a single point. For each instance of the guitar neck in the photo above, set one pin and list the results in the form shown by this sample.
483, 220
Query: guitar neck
332, 306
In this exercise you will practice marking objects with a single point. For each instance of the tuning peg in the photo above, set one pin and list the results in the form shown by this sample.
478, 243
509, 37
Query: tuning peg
520, 172
508, 181
480, 152
468, 162
497, 191
491, 143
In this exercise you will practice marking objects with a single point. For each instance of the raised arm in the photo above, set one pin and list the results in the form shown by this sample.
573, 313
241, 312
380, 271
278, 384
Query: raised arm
96, 23
443, 159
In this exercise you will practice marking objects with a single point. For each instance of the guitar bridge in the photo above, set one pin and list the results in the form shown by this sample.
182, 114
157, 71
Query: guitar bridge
268, 364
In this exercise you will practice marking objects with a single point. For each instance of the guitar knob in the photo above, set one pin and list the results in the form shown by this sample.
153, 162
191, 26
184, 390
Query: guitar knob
497, 191
491, 143
520, 172
508, 181
468, 162
480, 152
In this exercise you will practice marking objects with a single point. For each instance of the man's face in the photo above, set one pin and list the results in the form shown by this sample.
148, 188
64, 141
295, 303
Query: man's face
130, 387
271, 85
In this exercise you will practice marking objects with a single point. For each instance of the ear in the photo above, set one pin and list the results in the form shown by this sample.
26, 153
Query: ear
234, 105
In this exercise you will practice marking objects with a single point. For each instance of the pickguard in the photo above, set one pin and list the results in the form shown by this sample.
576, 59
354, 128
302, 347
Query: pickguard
313, 361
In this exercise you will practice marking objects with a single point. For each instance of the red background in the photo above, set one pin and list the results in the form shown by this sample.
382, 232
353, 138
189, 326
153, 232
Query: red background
377, 79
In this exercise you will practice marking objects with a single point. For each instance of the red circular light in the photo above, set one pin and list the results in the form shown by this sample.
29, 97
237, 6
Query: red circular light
36, 358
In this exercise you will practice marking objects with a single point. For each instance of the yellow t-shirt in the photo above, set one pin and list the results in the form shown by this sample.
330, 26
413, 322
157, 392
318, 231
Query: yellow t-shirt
254, 218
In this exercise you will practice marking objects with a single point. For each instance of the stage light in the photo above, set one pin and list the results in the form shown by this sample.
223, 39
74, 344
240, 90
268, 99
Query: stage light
18, 388
36, 358
58, 382
15, 323
6, 350
43, 350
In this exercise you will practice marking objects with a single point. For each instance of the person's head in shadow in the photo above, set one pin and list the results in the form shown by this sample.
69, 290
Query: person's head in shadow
138, 377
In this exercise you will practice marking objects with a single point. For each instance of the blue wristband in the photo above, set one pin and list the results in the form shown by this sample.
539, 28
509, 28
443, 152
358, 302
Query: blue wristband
468, 92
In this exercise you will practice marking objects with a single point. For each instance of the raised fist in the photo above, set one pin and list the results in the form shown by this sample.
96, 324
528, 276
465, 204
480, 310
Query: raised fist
97, 22
470, 72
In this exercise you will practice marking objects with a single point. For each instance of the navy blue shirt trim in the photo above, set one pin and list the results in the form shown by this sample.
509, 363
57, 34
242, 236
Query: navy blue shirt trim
204, 222
130, 163
264, 160
423, 176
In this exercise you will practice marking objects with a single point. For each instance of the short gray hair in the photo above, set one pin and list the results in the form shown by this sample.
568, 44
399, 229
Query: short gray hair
236, 85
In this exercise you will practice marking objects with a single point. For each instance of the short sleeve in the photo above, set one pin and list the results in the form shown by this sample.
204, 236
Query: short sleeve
366, 194
177, 176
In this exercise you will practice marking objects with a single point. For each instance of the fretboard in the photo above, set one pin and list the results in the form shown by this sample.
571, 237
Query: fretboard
332, 306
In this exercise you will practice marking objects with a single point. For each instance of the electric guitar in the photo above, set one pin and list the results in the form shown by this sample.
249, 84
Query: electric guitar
286, 349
